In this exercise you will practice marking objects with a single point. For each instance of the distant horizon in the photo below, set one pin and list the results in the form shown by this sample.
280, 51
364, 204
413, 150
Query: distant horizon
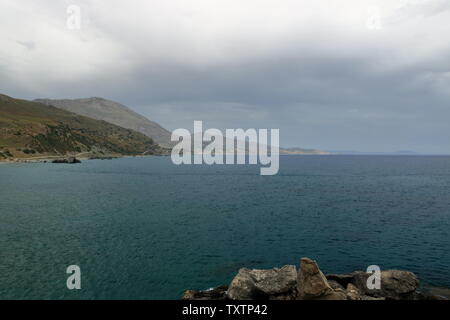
332, 150
225, 151
360, 75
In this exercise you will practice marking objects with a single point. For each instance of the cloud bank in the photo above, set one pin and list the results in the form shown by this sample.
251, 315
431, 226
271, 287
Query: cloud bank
337, 75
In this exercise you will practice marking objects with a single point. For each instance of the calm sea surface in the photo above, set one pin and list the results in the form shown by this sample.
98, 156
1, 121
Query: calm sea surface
143, 228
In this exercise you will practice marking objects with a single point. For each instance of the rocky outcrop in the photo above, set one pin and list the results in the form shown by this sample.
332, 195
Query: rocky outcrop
335, 285
278, 284
219, 293
398, 285
309, 283
70, 160
353, 292
395, 284
312, 283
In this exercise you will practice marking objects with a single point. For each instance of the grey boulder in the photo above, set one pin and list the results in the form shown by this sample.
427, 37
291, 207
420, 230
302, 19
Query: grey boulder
275, 284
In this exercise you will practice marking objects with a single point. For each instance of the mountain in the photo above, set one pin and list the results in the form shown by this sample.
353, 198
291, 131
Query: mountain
368, 153
32, 129
301, 151
115, 113
245, 147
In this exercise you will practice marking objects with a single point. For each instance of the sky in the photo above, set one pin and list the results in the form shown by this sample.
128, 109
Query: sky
365, 75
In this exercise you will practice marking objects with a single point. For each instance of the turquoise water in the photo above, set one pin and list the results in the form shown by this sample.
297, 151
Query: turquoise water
143, 228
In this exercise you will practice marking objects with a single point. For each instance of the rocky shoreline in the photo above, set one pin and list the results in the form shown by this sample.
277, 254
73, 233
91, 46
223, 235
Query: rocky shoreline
309, 283
69, 159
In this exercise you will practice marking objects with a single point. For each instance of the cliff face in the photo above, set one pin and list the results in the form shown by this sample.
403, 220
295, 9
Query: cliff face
31, 129
115, 113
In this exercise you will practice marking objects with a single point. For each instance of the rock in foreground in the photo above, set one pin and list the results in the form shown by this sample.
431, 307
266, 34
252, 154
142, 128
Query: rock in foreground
278, 284
312, 283
309, 283
395, 284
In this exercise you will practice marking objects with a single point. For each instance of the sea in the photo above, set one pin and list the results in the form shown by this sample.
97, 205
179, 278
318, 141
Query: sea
144, 228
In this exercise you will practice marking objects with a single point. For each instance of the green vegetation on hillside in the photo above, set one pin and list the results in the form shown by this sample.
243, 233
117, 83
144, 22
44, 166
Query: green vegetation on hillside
30, 129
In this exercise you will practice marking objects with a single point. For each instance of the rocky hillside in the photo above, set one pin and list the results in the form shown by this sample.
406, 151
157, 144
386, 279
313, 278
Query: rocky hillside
31, 129
309, 283
115, 113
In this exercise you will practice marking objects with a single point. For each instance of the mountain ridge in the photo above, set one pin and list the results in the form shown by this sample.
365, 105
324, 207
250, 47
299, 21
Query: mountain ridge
32, 129
113, 112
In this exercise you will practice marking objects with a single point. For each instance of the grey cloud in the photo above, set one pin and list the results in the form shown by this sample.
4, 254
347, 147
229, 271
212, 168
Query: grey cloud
324, 87
30, 45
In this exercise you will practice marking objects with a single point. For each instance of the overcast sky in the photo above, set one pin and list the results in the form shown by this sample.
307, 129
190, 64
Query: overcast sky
334, 75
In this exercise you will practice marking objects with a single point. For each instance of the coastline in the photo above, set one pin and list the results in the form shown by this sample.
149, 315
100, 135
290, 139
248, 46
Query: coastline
50, 159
